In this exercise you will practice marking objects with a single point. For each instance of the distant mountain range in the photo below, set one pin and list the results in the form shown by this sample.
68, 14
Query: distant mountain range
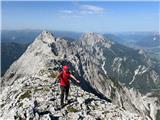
132, 39
14, 42
27, 36
10, 52
137, 39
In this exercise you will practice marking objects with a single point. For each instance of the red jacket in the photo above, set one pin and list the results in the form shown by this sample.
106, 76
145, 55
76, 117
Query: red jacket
64, 78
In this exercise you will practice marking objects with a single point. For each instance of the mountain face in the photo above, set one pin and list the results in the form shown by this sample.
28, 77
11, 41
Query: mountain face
149, 41
108, 72
131, 67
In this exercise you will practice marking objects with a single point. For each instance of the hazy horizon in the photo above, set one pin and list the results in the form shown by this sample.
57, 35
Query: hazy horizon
79, 31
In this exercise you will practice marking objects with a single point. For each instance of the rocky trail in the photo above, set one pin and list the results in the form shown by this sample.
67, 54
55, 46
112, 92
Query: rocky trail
32, 99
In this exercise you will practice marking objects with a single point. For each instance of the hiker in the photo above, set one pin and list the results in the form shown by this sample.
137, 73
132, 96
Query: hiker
63, 78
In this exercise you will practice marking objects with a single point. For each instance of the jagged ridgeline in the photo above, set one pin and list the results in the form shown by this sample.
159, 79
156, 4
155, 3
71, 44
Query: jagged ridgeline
109, 72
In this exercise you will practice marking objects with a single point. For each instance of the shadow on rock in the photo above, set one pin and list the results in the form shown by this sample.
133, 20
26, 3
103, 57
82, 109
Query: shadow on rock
54, 117
52, 99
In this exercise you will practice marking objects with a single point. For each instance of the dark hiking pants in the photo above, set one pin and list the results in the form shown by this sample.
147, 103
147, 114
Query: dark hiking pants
64, 90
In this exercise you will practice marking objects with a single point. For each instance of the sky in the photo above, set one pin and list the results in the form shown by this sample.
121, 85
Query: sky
81, 16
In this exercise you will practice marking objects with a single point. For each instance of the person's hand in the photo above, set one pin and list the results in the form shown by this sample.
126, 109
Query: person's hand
78, 81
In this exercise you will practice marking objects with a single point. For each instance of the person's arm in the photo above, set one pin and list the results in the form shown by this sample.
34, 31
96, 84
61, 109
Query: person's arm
57, 78
74, 78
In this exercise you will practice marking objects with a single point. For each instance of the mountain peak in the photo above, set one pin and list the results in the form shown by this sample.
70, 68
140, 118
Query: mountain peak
36, 55
141, 51
46, 37
44, 32
91, 38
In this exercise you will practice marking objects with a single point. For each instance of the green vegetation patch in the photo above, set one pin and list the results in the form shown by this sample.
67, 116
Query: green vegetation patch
46, 81
53, 75
37, 89
27, 94
93, 107
20, 105
158, 115
72, 109
43, 89
42, 72
105, 112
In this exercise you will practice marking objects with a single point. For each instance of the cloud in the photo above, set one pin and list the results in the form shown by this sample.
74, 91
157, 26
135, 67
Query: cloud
67, 11
82, 10
91, 9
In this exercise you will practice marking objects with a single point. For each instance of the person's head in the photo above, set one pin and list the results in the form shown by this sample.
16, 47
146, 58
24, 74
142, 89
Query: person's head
66, 68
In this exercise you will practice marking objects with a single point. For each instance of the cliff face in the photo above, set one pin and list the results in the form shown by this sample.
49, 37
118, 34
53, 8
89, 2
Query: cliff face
102, 66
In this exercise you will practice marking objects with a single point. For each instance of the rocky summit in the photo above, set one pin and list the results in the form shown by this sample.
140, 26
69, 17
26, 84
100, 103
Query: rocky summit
110, 75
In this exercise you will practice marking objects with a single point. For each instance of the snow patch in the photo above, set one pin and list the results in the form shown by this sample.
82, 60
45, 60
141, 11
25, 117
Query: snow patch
139, 71
103, 67
135, 73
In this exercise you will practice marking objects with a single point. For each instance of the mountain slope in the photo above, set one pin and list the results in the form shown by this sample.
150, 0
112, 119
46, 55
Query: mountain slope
47, 54
131, 67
